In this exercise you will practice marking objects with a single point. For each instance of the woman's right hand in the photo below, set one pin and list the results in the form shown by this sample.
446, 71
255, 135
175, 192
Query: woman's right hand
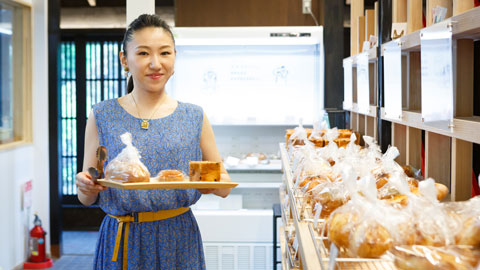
87, 186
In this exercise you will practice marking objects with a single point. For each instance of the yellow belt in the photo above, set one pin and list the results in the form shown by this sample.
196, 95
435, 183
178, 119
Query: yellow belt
140, 217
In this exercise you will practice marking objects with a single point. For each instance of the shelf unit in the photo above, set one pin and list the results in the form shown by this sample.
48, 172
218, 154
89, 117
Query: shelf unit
365, 123
448, 154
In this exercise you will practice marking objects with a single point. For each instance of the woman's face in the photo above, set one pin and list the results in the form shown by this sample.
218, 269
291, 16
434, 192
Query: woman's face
150, 58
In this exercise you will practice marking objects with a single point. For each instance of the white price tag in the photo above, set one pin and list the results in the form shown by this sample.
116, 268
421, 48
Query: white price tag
437, 77
363, 87
347, 84
392, 69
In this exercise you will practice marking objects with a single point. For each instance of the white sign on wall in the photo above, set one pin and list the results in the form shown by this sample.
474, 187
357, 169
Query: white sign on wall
363, 87
347, 84
392, 69
437, 76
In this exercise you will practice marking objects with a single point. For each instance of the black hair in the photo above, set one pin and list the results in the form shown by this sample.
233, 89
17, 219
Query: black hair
143, 21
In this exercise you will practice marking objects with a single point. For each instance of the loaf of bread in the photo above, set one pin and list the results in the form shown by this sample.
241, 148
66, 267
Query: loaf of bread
127, 172
204, 171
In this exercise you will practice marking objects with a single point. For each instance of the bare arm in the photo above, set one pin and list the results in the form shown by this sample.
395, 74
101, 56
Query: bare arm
87, 190
210, 153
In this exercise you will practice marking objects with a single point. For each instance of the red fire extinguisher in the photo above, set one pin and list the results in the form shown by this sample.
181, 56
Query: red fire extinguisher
37, 242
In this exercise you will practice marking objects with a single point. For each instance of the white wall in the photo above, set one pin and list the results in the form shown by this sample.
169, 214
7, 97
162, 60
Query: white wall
27, 162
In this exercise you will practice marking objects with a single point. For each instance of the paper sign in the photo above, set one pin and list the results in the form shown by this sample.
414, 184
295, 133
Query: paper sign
27, 194
347, 84
437, 77
392, 56
363, 88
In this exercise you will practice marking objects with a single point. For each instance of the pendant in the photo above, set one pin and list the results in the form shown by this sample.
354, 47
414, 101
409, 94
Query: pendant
144, 124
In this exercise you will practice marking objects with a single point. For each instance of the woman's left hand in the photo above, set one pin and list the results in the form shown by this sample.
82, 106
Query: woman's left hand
206, 190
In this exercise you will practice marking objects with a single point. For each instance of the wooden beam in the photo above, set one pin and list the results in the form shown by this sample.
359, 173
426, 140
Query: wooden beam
369, 23
464, 93
360, 33
399, 140
462, 158
414, 15
460, 6
376, 9
414, 147
437, 157
361, 127
356, 10
462, 151
399, 12
414, 82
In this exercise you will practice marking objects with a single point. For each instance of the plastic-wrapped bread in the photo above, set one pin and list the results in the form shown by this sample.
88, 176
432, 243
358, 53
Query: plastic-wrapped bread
127, 166
436, 258
467, 213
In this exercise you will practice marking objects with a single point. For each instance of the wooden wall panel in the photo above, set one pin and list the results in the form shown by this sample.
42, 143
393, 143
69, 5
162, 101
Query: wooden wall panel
244, 13
437, 157
414, 15
399, 140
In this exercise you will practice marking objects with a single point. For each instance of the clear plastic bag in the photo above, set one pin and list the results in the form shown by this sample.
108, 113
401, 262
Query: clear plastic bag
126, 166
438, 258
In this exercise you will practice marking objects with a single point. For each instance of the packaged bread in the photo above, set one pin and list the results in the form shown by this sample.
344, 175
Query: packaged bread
418, 257
208, 171
467, 213
127, 166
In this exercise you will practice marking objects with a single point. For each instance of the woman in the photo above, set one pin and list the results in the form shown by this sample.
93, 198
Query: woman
168, 134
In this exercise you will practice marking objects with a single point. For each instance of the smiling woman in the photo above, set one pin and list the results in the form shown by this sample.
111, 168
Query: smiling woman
168, 135
15, 74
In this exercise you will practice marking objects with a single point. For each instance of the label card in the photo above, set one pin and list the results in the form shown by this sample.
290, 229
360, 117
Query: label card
347, 84
437, 77
392, 69
363, 87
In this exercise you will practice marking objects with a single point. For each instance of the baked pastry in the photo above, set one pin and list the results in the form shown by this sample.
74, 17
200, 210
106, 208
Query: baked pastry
340, 225
170, 176
204, 171
127, 172
370, 240
438, 258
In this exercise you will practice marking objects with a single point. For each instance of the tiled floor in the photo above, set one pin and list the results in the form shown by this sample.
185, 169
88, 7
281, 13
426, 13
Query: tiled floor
78, 250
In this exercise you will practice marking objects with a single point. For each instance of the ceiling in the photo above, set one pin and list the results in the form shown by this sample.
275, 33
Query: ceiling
109, 3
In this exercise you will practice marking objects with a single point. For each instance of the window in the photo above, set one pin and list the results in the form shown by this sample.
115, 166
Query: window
97, 62
15, 73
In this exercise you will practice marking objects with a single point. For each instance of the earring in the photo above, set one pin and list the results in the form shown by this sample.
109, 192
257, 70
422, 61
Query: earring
126, 69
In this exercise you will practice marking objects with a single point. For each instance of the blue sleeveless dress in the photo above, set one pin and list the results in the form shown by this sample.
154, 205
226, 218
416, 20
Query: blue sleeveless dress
169, 143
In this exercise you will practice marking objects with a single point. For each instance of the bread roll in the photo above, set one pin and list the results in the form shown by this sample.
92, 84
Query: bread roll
170, 176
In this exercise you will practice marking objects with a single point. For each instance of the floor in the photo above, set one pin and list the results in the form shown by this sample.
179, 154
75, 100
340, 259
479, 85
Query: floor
78, 250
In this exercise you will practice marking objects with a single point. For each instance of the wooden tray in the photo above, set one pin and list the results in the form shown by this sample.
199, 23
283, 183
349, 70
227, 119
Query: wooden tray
167, 185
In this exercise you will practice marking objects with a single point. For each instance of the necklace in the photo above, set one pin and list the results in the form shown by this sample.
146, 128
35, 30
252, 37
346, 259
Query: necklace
144, 124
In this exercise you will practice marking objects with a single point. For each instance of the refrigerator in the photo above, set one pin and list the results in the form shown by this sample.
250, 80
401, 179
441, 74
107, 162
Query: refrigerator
252, 83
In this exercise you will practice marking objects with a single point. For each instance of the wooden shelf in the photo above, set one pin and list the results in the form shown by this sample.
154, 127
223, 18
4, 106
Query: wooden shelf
306, 248
464, 128
372, 56
464, 25
372, 113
